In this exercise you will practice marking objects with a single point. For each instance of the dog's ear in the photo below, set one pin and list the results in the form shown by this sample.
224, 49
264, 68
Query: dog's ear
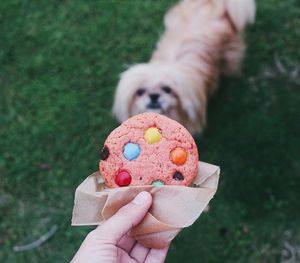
127, 86
196, 114
121, 100
193, 102
120, 111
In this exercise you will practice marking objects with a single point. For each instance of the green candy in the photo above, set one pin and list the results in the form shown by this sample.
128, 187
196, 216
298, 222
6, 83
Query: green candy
157, 183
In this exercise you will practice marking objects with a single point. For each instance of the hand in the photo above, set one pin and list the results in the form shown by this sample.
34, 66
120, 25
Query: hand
110, 242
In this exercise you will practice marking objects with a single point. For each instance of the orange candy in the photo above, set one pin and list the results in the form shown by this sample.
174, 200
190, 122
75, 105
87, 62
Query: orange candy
178, 156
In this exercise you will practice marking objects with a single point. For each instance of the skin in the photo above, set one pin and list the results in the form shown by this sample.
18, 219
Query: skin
110, 242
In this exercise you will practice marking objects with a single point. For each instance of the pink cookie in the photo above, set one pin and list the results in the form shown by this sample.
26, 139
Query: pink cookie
149, 148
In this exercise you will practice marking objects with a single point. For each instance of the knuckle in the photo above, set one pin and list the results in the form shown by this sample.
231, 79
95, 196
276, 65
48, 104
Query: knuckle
97, 236
126, 211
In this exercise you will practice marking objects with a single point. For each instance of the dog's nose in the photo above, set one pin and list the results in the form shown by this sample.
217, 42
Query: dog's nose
154, 97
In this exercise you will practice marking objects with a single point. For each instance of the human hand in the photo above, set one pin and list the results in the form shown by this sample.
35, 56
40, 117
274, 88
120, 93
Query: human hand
110, 242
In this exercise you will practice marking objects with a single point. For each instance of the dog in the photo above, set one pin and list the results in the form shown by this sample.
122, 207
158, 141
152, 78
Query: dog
202, 40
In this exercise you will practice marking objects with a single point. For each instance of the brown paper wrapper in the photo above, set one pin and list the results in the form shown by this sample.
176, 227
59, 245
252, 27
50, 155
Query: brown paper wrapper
173, 207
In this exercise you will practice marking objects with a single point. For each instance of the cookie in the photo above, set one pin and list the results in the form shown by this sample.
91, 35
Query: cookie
149, 148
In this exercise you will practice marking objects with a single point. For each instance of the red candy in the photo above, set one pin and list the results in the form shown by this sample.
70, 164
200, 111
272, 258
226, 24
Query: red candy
123, 178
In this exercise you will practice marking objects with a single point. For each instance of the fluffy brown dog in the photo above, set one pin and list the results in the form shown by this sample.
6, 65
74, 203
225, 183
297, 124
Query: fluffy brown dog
202, 39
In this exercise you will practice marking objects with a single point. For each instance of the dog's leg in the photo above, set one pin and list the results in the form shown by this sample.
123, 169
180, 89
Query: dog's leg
232, 57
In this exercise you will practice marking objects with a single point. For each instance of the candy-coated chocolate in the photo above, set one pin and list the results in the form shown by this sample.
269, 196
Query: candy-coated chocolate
104, 153
131, 151
123, 178
178, 156
152, 135
178, 176
157, 183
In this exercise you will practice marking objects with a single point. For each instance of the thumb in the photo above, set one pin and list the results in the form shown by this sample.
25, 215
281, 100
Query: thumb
127, 217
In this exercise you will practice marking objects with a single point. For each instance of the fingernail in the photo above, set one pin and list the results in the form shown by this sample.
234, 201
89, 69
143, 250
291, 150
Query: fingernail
141, 198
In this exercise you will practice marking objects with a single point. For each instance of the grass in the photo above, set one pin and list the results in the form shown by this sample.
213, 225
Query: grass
60, 62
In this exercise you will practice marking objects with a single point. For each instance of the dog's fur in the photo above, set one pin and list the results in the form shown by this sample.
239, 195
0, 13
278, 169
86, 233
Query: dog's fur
202, 39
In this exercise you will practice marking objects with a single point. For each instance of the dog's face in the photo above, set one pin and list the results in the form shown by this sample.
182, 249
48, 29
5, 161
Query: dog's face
157, 89
156, 97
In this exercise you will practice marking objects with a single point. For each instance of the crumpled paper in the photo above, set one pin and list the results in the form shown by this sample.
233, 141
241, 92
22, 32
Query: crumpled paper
173, 207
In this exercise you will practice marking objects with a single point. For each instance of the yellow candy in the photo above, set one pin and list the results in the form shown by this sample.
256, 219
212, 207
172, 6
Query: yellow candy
152, 135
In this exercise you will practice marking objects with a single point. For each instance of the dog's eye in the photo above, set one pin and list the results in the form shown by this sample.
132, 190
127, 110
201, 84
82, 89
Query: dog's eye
166, 89
140, 92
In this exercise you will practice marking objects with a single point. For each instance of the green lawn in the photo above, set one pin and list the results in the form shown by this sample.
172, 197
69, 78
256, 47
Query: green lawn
59, 67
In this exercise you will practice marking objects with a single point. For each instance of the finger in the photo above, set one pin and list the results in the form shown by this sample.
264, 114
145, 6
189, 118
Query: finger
122, 256
127, 217
126, 243
139, 252
157, 255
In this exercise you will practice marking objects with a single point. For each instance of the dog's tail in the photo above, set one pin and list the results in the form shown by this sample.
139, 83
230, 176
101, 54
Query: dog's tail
241, 12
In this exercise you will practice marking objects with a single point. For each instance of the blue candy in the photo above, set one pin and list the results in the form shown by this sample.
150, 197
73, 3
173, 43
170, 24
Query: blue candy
131, 151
